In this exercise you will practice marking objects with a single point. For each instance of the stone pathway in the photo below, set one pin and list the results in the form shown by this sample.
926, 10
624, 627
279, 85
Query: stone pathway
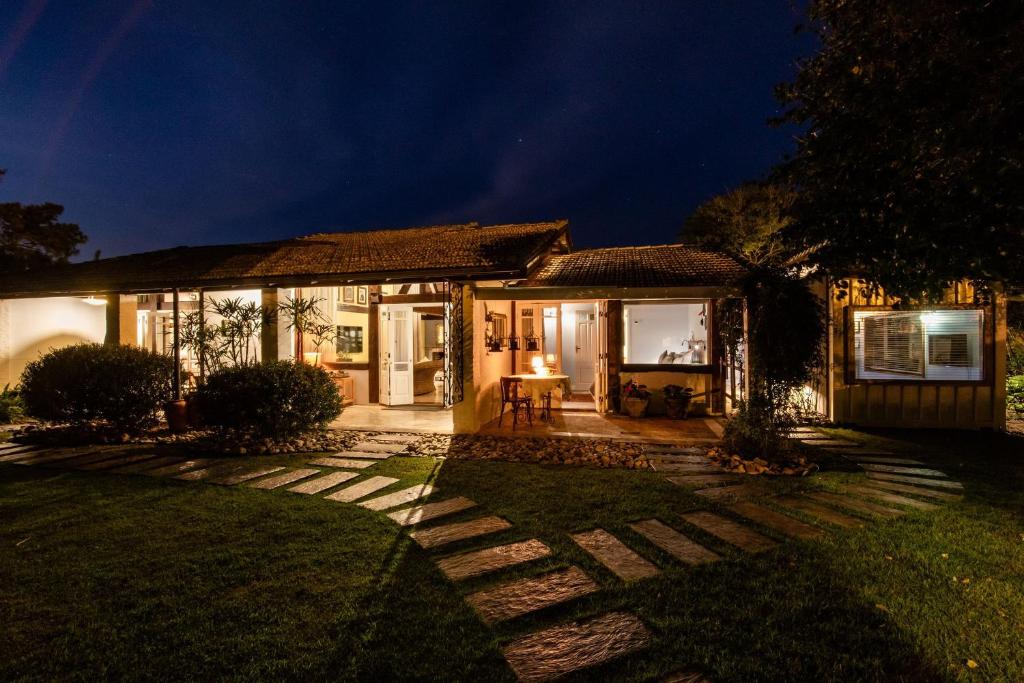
729, 492
233, 479
615, 555
673, 542
425, 513
347, 463
916, 490
435, 537
480, 562
398, 497
938, 483
361, 490
730, 531
320, 484
856, 504
516, 598
777, 521
283, 479
820, 512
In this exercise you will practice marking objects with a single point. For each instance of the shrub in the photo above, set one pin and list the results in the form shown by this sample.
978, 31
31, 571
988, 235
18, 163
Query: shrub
11, 407
123, 386
273, 399
1015, 396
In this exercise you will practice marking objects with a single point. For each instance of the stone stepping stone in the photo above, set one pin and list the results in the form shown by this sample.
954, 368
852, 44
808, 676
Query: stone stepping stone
673, 542
723, 492
397, 438
370, 447
359, 454
666, 458
685, 677
562, 649
18, 454
777, 521
856, 504
84, 459
730, 531
885, 460
938, 483
480, 562
702, 479
459, 531
425, 513
8, 444
42, 457
897, 469
819, 512
364, 488
516, 598
178, 468
916, 490
828, 442
246, 475
615, 555
158, 461
342, 462
398, 498
893, 498
203, 474
117, 461
321, 484
688, 467
282, 479
854, 452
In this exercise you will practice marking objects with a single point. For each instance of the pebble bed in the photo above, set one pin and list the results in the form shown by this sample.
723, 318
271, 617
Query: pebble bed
551, 451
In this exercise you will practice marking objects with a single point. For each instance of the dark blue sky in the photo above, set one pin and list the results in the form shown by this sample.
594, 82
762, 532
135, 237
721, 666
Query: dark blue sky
165, 123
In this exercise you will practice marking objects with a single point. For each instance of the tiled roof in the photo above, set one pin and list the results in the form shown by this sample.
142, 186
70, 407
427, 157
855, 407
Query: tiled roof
669, 265
467, 250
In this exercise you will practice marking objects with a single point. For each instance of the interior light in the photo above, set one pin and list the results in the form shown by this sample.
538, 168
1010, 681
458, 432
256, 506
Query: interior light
93, 301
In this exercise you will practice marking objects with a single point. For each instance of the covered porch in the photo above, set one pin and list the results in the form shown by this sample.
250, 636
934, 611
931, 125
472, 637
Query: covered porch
591, 424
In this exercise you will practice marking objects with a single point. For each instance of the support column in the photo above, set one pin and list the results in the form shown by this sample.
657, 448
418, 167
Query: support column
275, 341
176, 379
112, 337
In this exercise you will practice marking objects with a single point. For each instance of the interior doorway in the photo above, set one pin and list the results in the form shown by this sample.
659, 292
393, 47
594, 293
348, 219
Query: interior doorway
412, 356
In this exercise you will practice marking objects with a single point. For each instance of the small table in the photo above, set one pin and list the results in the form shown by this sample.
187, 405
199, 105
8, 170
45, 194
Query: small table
539, 388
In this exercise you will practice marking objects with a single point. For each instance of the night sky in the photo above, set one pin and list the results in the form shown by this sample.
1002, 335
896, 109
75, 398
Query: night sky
158, 124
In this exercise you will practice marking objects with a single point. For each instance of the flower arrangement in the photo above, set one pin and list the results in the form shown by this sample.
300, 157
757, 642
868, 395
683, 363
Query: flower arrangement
632, 389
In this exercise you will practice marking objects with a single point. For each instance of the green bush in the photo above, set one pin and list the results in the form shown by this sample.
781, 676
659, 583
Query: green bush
273, 399
123, 386
1015, 396
11, 407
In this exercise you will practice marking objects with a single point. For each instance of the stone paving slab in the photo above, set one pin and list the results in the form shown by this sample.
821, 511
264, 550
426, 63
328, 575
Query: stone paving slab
516, 598
480, 562
777, 521
321, 484
688, 467
459, 531
893, 498
283, 479
615, 555
178, 468
361, 454
817, 511
566, 648
361, 490
84, 459
729, 492
8, 444
247, 475
702, 479
118, 461
730, 531
827, 442
18, 453
425, 513
668, 457
938, 483
406, 439
42, 457
158, 461
205, 473
897, 469
685, 677
398, 498
662, 449
915, 490
371, 447
347, 463
854, 452
885, 460
674, 543
856, 504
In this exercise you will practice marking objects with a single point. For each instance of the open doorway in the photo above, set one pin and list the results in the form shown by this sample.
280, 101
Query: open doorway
412, 359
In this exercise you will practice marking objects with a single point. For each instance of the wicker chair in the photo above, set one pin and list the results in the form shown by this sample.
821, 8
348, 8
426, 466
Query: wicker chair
511, 395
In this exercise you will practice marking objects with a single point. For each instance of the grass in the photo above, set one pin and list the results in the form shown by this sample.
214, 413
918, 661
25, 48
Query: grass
132, 577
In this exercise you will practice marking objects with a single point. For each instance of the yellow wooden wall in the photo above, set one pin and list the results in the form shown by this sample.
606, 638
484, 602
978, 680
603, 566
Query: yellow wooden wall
906, 404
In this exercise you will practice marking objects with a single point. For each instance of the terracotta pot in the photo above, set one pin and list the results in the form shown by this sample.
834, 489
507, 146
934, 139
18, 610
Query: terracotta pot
176, 413
635, 407
676, 408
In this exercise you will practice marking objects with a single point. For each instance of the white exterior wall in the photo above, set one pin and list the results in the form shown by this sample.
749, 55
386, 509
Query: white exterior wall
31, 327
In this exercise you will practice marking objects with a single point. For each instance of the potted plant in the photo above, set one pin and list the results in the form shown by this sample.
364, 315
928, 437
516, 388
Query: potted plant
635, 398
677, 400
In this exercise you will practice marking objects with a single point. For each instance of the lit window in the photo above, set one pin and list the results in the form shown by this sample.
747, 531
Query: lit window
665, 333
936, 345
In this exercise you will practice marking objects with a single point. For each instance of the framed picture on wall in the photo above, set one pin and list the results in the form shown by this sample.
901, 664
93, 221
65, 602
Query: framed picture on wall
348, 295
361, 296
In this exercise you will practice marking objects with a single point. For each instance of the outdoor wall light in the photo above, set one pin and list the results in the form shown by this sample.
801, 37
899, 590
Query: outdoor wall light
513, 343
532, 343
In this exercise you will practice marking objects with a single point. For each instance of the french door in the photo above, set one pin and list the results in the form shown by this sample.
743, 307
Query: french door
396, 350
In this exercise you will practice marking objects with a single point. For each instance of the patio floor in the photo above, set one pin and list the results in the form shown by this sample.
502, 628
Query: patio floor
610, 426
378, 418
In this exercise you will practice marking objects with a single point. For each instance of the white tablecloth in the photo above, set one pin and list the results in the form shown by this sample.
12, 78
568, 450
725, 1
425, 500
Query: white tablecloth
536, 386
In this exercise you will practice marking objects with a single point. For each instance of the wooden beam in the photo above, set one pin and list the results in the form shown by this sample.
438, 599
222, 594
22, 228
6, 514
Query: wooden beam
620, 293
373, 346
413, 299
176, 379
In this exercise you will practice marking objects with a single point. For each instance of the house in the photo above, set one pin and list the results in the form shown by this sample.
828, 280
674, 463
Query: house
429, 319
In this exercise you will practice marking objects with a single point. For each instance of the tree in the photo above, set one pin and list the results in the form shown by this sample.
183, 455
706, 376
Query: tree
747, 221
910, 170
31, 235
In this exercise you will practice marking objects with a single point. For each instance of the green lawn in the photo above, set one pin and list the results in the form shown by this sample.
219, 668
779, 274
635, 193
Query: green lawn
132, 577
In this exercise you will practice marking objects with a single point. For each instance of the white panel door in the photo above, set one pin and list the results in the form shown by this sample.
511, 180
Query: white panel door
583, 365
397, 363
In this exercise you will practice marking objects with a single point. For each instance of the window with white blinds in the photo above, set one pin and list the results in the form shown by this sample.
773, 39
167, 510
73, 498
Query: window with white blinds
935, 345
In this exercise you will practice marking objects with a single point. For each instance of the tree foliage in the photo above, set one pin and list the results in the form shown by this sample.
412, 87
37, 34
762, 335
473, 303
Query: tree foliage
911, 168
32, 235
747, 221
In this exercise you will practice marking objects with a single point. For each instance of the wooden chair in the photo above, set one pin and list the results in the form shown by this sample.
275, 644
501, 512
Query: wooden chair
511, 395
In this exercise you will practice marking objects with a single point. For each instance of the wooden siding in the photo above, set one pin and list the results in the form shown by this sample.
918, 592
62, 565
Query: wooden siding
960, 405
